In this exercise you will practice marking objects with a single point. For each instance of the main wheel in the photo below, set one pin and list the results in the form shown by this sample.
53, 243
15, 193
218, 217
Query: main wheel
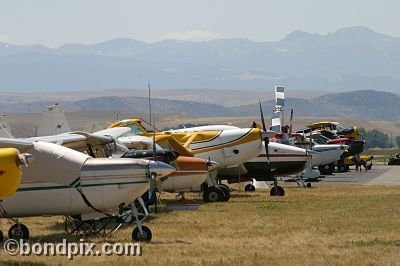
327, 169
213, 194
18, 231
277, 191
249, 188
144, 236
1, 237
226, 191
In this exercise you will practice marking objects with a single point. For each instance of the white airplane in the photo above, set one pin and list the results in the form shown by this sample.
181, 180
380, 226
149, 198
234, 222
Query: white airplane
62, 181
281, 160
229, 148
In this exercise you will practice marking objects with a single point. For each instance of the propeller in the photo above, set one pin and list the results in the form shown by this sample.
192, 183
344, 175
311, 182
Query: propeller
266, 139
290, 125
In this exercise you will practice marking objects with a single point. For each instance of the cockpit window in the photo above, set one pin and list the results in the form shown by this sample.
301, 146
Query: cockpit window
134, 130
146, 126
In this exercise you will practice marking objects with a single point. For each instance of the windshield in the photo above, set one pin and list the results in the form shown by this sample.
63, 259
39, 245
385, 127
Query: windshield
146, 126
135, 131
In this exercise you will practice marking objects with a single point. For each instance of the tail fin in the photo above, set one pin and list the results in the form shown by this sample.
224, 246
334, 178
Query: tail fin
5, 130
53, 121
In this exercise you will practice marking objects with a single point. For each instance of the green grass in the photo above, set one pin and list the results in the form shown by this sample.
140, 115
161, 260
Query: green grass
343, 225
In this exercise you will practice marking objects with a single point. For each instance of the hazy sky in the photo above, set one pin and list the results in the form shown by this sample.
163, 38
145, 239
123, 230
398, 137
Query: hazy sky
54, 22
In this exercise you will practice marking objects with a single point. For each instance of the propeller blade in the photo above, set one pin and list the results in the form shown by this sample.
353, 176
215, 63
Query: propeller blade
262, 117
291, 126
266, 139
266, 144
152, 183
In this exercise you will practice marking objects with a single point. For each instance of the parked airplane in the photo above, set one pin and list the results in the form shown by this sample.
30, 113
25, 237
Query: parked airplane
10, 173
62, 181
283, 159
229, 148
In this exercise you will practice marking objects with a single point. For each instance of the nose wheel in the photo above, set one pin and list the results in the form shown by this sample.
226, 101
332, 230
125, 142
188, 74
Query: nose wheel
141, 232
18, 231
249, 188
144, 236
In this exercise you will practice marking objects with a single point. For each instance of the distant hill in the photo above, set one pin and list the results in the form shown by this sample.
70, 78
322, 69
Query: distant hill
364, 104
348, 59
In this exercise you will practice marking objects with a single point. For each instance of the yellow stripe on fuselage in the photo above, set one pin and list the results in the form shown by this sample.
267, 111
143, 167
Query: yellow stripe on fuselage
201, 137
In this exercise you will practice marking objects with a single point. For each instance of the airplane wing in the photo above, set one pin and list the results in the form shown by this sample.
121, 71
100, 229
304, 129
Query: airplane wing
115, 132
78, 140
20, 144
71, 140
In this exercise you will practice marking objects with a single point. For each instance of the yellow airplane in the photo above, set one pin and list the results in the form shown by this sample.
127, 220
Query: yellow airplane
334, 127
10, 173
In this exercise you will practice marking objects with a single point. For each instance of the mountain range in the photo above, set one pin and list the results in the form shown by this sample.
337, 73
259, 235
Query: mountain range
348, 59
364, 104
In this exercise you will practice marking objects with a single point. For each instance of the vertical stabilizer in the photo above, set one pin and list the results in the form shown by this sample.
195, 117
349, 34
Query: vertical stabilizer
53, 121
5, 130
276, 122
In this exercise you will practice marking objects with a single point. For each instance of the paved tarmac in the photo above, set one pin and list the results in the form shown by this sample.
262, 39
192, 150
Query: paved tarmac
378, 175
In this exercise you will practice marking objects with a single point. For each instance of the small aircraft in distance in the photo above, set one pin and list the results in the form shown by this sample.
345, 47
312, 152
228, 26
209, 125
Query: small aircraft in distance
62, 181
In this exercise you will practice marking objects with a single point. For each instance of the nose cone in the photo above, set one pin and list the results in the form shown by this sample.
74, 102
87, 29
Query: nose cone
161, 169
212, 165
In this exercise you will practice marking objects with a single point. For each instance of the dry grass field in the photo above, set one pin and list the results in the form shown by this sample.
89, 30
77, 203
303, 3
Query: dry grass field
325, 225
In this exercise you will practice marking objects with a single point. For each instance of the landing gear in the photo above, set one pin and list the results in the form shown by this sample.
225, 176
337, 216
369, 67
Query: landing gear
327, 169
249, 188
213, 194
141, 232
144, 236
226, 191
277, 190
18, 231
1, 237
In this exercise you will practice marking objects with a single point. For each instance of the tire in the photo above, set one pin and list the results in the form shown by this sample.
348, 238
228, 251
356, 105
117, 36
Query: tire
327, 169
226, 191
213, 194
18, 231
277, 191
144, 237
1, 237
249, 188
